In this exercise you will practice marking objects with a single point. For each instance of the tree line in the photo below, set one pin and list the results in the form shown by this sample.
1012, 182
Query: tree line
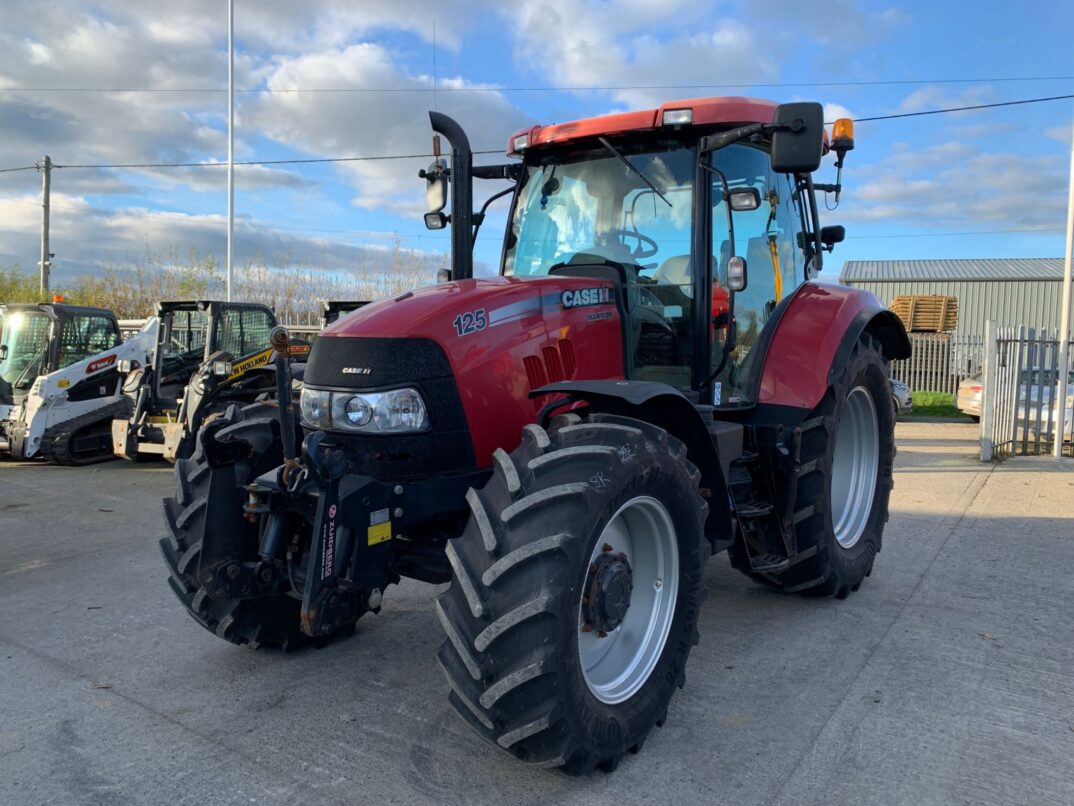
132, 288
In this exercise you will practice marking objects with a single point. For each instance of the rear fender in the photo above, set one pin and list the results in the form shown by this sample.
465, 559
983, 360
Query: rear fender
665, 407
813, 341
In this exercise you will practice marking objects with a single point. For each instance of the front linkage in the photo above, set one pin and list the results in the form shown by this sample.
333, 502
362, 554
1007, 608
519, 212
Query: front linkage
310, 528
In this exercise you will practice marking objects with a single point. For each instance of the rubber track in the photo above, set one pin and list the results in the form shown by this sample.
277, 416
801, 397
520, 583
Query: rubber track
56, 441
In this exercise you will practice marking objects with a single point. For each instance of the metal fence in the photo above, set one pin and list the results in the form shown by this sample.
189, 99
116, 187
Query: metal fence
1023, 393
939, 361
307, 330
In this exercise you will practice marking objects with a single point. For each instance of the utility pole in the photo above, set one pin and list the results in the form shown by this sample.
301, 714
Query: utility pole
45, 166
230, 141
1064, 322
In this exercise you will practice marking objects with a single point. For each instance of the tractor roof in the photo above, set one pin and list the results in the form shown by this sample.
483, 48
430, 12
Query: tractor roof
56, 309
705, 112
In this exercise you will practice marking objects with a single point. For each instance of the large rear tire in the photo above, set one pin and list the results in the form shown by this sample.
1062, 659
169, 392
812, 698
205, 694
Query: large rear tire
575, 592
844, 482
267, 621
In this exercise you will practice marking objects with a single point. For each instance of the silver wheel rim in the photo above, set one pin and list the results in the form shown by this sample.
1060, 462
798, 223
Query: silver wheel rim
855, 463
616, 666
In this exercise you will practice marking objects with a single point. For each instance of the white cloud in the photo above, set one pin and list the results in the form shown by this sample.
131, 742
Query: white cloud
584, 43
87, 239
956, 186
936, 97
373, 124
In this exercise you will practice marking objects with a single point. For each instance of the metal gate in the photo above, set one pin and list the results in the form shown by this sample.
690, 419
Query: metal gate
1023, 393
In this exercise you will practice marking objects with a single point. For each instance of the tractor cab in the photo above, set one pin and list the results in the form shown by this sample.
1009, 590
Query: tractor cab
38, 339
703, 214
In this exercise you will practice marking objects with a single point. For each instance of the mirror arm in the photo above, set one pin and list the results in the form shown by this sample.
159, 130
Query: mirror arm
511, 171
726, 197
818, 248
480, 217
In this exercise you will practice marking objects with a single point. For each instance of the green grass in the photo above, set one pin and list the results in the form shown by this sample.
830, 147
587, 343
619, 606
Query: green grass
936, 404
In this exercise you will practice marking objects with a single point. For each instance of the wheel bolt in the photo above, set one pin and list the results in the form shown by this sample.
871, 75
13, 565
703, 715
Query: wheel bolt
658, 583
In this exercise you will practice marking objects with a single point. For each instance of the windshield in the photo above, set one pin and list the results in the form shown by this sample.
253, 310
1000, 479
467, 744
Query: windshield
182, 344
25, 334
593, 207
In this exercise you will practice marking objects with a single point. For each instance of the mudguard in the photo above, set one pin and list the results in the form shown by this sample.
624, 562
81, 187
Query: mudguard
813, 339
668, 408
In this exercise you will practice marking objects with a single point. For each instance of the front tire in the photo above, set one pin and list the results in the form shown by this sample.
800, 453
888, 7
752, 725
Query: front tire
575, 592
270, 621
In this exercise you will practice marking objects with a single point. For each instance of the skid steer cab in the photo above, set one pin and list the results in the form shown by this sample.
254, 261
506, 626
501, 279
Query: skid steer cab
209, 355
655, 376
333, 309
59, 381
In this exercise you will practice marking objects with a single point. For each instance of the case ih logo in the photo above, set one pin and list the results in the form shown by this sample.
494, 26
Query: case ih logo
101, 363
586, 296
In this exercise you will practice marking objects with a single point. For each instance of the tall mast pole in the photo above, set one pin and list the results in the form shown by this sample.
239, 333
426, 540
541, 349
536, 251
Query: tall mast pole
230, 141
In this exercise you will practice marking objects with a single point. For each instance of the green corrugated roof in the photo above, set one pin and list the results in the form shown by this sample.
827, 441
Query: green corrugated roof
985, 269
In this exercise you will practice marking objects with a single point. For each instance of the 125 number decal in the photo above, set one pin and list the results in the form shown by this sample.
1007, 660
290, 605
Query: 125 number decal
470, 322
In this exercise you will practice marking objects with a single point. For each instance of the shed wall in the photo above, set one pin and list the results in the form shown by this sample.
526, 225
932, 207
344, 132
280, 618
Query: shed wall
1034, 303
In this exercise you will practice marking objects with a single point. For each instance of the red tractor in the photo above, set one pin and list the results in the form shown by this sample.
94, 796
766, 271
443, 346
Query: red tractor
653, 378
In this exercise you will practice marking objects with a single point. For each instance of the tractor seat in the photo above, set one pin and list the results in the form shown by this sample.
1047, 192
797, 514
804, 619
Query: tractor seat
675, 271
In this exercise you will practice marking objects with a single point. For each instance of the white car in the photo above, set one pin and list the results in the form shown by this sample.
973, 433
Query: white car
901, 398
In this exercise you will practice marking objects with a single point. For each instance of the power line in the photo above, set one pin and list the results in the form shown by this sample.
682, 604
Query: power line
953, 234
966, 108
260, 162
592, 88
386, 157
23, 168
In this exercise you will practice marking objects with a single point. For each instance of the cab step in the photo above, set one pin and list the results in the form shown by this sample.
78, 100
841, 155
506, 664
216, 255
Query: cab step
769, 564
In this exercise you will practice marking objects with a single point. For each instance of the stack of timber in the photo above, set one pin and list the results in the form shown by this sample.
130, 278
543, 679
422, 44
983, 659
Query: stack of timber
926, 313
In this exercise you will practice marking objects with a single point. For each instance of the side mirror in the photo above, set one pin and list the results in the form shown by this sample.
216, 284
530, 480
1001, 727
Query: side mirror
443, 276
830, 236
798, 144
741, 199
3, 352
736, 274
436, 189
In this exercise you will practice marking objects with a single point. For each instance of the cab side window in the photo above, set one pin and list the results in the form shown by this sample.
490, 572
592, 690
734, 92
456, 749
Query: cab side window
85, 336
243, 331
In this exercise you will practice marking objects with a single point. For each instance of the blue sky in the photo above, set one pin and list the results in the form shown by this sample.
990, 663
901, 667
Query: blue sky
499, 66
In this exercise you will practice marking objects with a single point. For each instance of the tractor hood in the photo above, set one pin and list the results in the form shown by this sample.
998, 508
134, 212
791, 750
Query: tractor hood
431, 312
494, 340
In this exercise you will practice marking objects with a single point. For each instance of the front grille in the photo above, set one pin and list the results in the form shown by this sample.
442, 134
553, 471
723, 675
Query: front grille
375, 364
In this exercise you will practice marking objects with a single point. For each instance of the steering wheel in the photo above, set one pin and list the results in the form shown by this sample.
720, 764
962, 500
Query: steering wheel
647, 247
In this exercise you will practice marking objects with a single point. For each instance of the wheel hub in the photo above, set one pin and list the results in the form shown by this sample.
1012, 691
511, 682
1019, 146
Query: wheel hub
608, 587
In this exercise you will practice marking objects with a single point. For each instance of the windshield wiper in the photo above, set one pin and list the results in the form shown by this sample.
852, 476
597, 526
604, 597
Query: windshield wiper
604, 142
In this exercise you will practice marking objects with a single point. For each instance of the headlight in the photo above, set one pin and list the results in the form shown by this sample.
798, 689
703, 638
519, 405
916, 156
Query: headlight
316, 407
351, 411
222, 368
393, 412
400, 410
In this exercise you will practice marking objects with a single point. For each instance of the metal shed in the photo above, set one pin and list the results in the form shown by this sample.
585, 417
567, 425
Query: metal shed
1019, 291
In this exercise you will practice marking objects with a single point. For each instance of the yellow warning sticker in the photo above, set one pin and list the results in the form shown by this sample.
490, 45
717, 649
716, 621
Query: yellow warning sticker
379, 533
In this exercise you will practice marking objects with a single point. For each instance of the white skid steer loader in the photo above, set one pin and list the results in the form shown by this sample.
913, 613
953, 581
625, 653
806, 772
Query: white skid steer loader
59, 380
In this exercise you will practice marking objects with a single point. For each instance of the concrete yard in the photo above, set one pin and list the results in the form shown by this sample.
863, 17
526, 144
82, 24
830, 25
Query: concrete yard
948, 678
